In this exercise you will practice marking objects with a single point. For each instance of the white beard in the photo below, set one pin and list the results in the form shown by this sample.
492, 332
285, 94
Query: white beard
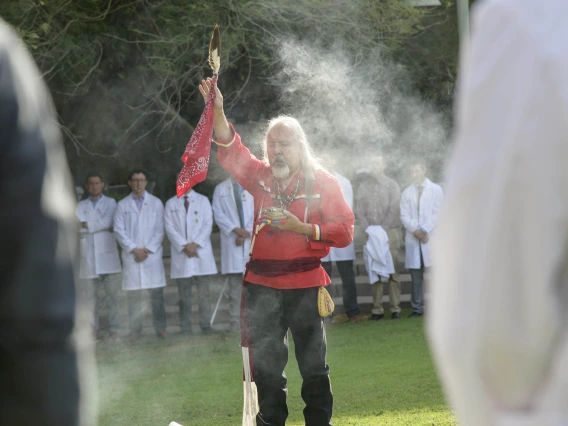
281, 172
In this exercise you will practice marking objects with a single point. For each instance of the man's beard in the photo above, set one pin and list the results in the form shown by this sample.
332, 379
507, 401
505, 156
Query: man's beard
280, 171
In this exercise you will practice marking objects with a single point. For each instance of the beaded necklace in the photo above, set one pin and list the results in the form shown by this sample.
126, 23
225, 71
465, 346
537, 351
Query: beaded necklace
283, 199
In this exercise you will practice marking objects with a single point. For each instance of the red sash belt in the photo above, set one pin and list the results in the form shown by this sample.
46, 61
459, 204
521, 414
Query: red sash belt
276, 268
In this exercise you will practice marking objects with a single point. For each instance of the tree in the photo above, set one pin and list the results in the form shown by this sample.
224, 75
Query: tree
124, 73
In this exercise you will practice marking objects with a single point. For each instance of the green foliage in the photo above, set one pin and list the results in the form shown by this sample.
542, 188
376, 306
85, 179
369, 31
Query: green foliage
124, 73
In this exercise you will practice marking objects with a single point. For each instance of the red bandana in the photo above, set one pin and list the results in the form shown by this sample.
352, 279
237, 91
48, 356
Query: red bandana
198, 149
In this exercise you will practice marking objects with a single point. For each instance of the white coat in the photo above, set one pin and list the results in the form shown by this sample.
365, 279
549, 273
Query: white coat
144, 229
183, 228
377, 255
343, 253
233, 257
498, 315
99, 251
430, 205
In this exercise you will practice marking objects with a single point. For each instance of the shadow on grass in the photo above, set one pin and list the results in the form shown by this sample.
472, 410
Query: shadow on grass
381, 373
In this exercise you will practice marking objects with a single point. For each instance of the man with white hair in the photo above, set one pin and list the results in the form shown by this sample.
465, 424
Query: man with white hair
285, 272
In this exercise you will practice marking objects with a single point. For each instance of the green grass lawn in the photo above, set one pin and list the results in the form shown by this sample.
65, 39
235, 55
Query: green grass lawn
381, 373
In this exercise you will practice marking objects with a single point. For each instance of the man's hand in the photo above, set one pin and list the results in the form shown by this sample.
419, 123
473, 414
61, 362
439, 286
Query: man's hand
140, 254
223, 131
292, 223
84, 225
205, 88
421, 235
239, 241
241, 232
191, 249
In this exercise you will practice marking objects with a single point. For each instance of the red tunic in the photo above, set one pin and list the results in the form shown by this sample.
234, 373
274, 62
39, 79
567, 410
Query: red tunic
331, 218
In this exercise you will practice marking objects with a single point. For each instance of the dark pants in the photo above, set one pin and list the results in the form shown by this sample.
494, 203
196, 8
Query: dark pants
345, 268
417, 293
185, 302
135, 309
111, 287
270, 313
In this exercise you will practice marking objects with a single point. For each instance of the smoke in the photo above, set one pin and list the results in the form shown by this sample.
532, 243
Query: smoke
355, 110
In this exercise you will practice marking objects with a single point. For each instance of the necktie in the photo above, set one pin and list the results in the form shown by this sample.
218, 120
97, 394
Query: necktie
186, 203
239, 202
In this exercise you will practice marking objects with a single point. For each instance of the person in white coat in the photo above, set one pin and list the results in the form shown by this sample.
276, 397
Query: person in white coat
233, 210
343, 257
139, 229
500, 280
420, 206
99, 252
189, 222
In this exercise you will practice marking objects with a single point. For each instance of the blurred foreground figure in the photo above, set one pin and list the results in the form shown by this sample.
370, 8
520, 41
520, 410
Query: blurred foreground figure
499, 297
39, 382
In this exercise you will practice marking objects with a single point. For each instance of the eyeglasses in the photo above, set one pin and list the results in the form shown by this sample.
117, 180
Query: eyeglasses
137, 180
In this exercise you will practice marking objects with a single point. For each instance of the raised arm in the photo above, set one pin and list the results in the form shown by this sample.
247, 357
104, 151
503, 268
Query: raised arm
223, 131
232, 154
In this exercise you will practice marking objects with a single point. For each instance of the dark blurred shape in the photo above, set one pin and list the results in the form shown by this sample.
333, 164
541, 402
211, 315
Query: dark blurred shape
39, 380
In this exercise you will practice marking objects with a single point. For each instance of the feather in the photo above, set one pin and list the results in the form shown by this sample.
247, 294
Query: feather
215, 50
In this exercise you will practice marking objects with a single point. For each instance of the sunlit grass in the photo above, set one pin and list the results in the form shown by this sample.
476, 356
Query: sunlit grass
381, 374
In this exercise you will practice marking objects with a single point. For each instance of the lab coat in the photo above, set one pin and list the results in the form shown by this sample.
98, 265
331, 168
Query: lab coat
499, 307
193, 227
99, 251
377, 255
233, 257
343, 253
430, 204
144, 229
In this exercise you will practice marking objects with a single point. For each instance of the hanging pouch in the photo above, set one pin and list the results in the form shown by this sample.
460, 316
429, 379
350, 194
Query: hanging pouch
325, 303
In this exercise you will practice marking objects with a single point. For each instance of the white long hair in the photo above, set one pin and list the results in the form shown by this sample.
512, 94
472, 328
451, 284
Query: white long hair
309, 163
